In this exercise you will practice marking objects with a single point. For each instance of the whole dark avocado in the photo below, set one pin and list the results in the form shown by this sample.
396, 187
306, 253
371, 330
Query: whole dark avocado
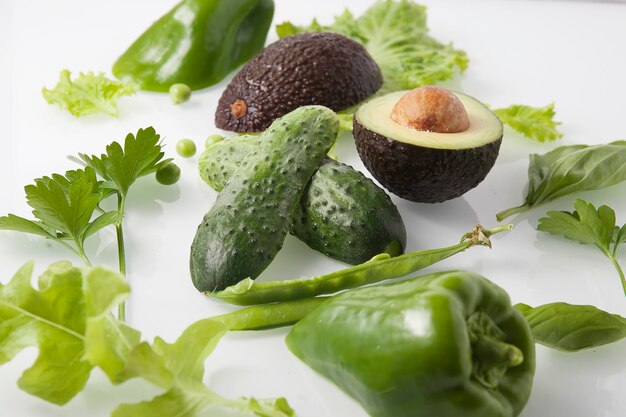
310, 68
428, 145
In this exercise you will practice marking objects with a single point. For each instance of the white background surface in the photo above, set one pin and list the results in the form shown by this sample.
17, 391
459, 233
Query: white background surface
530, 52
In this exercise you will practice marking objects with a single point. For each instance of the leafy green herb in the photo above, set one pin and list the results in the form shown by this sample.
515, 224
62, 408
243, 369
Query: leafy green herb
55, 318
571, 169
178, 368
571, 328
141, 155
68, 318
64, 207
120, 167
396, 36
533, 122
87, 94
588, 226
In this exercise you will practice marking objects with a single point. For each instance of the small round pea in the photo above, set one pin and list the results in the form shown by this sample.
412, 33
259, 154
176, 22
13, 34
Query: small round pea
186, 148
213, 139
179, 93
168, 174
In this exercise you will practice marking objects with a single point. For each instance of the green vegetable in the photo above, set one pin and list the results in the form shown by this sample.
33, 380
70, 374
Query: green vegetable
179, 93
533, 122
68, 319
198, 43
396, 36
571, 169
87, 94
56, 319
571, 328
178, 368
446, 344
341, 214
64, 207
380, 268
168, 174
241, 234
120, 167
186, 148
587, 225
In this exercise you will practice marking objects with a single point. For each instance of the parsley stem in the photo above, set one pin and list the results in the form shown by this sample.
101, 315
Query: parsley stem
620, 272
121, 254
80, 252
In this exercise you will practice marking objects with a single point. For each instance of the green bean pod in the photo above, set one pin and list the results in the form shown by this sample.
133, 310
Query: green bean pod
379, 268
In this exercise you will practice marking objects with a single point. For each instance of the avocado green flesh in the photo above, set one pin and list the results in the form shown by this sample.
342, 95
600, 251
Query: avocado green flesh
485, 126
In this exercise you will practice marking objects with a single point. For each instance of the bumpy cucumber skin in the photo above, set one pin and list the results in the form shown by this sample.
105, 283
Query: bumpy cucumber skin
345, 216
246, 227
342, 213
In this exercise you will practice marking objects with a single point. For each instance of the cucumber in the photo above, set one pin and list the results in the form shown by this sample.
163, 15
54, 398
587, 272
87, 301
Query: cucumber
244, 230
342, 213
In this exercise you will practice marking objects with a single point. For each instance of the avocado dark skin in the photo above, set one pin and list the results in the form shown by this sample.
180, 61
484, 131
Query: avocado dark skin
422, 174
309, 68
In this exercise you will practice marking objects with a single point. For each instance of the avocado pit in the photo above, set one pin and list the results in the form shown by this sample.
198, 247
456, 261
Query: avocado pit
431, 109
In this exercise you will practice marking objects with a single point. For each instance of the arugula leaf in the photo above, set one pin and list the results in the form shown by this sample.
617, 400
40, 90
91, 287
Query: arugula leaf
54, 318
179, 368
64, 207
396, 36
87, 94
68, 318
571, 328
571, 169
533, 122
587, 225
120, 167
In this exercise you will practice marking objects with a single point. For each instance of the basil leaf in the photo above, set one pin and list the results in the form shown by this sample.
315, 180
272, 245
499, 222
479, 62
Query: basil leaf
571, 169
570, 328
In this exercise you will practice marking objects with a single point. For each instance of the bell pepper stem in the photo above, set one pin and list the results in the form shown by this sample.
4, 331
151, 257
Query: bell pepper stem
491, 351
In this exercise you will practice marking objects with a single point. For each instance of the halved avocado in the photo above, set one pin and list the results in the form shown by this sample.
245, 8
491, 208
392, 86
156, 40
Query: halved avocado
423, 165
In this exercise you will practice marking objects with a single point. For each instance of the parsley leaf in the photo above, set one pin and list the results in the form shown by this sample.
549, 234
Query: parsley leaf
64, 207
87, 94
533, 122
587, 225
396, 36
120, 167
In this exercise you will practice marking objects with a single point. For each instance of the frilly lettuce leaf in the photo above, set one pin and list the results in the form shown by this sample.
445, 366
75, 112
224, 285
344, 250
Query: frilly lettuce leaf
396, 36
68, 318
55, 318
533, 122
87, 94
178, 368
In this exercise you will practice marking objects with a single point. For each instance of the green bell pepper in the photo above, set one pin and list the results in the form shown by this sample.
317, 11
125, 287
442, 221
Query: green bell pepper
447, 344
197, 43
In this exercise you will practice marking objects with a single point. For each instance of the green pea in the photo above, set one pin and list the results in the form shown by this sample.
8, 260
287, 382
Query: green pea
186, 148
213, 139
179, 93
168, 174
